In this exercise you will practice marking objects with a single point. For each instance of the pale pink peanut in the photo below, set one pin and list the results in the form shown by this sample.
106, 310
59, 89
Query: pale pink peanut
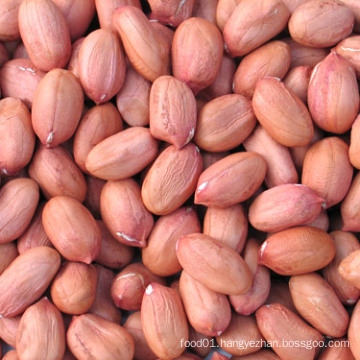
326, 165
197, 50
137, 33
345, 243
318, 304
297, 250
281, 113
321, 24
172, 108
45, 34
285, 206
271, 59
204, 258
124, 213
101, 65
252, 24
230, 180
171, 179
333, 94
164, 321
280, 167
208, 312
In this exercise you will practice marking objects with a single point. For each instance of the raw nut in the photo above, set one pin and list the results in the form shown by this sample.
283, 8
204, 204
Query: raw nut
136, 33
318, 304
285, 206
205, 9
349, 268
73, 289
228, 225
172, 111
252, 23
101, 65
214, 264
256, 296
302, 55
297, 250
354, 147
8, 329
321, 24
113, 254
78, 15
134, 327
222, 85
224, 10
124, 213
298, 153
129, 285
90, 336
164, 321
26, 279
93, 193
321, 222
280, 167
171, 179
354, 6
345, 243
280, 293
56, 173
35, 234
9, 28
132, 100
159, 255
19, 78
349, 208
244, 328
333, 94
224, 123
57, 107
171, 13
105, 9
39, 319
326, 165
18, 201
297, 80
340, 351
281, 113
292, 5
349, 49
72, 229
45, 34
99, 123
230, 180
8, 253
281, 326
353, 331
197, 50
73, 64
102, 304
272, 59
208, 312
17, 138
123, 154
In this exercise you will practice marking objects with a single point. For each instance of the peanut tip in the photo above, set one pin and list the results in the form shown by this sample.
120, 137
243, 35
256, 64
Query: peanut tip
50, 138
149, 289
127, 237
262, 248
202, 186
